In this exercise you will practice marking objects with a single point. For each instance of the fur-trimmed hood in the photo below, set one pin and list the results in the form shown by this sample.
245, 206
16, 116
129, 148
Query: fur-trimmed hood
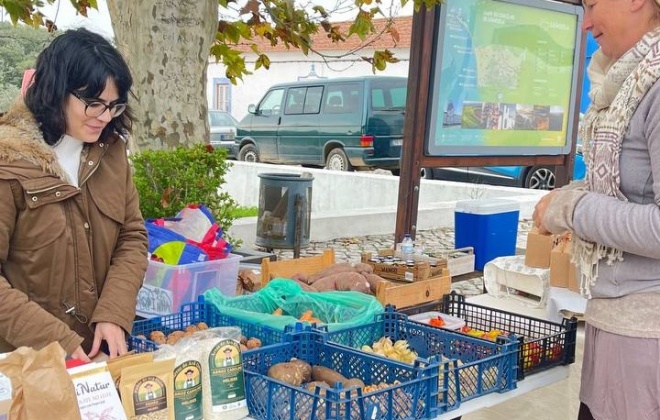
22, 145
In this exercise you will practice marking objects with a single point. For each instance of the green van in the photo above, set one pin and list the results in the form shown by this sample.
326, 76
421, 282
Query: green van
341, 124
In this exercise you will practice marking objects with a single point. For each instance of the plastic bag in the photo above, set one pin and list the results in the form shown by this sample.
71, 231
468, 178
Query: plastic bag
337, 310
192, 236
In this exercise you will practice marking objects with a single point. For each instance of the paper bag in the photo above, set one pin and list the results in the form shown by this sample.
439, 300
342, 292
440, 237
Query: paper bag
562, 271
41, 386
537, 251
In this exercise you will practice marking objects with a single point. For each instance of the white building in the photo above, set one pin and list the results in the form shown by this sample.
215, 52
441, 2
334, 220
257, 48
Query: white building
344, 59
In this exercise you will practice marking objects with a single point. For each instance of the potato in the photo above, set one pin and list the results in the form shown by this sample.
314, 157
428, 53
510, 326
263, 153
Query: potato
343, 282
327, 375
286, 372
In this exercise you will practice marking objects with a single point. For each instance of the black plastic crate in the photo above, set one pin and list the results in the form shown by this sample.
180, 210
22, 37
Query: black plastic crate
544, 344
412, 394
194, 313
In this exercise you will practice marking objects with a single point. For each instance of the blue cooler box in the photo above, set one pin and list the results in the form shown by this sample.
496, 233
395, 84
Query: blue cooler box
488, 225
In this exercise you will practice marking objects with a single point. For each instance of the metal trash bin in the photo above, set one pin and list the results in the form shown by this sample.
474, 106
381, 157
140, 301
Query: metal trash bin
285, 206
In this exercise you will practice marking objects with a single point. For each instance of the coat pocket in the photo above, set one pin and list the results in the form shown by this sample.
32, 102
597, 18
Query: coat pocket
39, 227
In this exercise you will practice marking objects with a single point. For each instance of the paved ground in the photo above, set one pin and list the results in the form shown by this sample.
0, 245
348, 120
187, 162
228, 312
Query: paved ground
349, 249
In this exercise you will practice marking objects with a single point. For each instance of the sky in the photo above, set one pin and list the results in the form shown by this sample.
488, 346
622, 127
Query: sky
65, 17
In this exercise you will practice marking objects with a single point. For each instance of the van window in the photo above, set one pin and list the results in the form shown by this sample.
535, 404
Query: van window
272, 102
313, 100
388, 95
342, 98
303, 100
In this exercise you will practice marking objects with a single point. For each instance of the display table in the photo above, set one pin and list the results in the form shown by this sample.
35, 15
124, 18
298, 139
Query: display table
564, 303
530, 383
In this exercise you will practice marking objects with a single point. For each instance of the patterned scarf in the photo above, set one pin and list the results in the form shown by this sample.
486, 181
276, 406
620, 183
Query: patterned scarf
616, 90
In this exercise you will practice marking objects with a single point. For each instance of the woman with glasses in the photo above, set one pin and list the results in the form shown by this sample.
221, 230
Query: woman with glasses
73, 248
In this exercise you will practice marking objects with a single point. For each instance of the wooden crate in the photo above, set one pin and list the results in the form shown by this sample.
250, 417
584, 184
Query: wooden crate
287, 268
401, 294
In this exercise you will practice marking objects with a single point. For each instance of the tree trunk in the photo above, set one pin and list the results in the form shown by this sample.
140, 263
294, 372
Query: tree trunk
167, 44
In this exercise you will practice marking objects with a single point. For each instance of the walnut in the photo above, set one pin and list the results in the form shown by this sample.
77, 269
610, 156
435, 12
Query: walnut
157, 337
253, 343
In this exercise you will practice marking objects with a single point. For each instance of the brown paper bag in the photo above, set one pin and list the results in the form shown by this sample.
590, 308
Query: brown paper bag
537, 251
562, 271
41, 386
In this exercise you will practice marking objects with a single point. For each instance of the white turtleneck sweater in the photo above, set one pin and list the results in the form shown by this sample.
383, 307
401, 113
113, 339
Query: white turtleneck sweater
68, 151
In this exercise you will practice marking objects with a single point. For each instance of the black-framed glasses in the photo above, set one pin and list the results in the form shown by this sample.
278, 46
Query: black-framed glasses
95, 108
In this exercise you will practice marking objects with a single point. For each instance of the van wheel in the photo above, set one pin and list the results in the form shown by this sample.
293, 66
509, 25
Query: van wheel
540, 178
338, 161
248, 153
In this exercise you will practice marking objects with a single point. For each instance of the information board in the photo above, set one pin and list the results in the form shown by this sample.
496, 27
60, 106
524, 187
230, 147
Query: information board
505, 78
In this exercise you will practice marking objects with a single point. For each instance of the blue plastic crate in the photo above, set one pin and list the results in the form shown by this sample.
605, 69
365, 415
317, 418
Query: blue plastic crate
544, 344
413, 395
194, 313
484, 366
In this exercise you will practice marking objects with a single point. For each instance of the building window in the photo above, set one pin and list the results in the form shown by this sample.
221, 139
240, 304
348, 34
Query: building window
222, 94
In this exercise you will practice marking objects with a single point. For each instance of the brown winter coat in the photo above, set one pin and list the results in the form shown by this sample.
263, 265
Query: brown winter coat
69, 257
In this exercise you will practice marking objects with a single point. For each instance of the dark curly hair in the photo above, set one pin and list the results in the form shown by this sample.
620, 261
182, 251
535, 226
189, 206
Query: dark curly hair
80, 61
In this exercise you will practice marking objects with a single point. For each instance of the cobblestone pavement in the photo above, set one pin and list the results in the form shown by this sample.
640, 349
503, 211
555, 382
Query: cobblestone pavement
349, 249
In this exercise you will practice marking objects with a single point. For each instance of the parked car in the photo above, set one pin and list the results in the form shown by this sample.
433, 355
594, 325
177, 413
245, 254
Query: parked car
341, 124
223, 129
535, 177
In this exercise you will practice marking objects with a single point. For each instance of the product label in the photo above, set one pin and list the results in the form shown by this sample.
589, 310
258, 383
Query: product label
149, 395
188, 390
226, 374
96, 393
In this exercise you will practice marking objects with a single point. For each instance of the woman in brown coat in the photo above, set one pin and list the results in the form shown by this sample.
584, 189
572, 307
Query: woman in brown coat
72, 240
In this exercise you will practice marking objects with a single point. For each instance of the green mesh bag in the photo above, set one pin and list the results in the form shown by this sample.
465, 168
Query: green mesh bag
337, 310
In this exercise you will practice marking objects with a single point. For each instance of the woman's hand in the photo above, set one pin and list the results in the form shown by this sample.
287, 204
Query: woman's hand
79, 354
112, 334
539, 212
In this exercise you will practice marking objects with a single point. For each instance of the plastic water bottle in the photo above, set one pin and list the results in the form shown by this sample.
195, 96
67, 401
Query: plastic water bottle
407, 248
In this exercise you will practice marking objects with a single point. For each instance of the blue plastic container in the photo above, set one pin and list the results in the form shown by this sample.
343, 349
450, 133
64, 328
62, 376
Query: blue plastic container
488, 225
192, 314
484, 367
407, 392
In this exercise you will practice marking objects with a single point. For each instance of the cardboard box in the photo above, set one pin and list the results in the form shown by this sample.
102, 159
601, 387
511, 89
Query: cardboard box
539, 247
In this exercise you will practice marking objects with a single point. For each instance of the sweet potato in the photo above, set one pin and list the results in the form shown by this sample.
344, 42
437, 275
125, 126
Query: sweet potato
343, 267
304, 367
373, 280
354, 382
301, 277
287, 372
363, 268
343, 282
327, 375
306, 287
311, 387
